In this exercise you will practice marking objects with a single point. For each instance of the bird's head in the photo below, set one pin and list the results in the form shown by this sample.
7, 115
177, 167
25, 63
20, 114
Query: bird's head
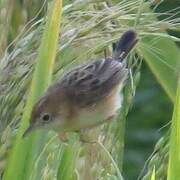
49, 112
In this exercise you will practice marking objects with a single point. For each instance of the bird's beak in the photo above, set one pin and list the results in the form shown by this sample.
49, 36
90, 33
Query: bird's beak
27, 131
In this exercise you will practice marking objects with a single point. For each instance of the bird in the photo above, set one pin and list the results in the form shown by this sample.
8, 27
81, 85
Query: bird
86, 96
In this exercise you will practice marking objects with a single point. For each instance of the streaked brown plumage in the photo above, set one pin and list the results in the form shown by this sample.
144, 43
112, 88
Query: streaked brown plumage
87, 95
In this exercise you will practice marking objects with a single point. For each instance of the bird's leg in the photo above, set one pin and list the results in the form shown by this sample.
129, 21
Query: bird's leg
84, 136
63, 136
109, 119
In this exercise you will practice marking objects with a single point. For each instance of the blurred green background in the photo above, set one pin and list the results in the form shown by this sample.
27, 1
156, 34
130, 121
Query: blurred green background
149, 116
151, 110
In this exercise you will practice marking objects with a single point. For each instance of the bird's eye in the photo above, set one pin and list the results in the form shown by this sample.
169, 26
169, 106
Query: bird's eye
46, 117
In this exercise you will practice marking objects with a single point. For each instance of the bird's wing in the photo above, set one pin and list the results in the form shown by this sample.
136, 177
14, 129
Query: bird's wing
89, 83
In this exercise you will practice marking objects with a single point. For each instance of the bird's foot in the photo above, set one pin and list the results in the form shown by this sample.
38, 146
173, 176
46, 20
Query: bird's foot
85, 138
63, 137
109, 119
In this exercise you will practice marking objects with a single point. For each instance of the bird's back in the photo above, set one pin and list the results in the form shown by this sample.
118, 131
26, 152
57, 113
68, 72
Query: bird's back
87, 84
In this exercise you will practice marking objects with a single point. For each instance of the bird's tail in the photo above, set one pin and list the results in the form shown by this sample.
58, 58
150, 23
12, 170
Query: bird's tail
122, 48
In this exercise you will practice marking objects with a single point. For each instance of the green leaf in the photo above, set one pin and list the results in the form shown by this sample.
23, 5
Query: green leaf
174, 152
162, 55
24, 151
67, 163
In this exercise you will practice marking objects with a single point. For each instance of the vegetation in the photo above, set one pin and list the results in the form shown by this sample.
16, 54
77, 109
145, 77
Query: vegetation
30, 44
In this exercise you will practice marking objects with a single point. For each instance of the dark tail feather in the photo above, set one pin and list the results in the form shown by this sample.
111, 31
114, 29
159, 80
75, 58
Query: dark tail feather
122, 48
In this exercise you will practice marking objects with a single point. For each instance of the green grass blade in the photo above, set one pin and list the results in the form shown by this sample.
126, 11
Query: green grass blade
67, 163
153, 174
68, 156
174, 152
162, 56
22, 153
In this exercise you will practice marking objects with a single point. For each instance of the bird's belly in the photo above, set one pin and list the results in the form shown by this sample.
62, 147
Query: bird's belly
101, 111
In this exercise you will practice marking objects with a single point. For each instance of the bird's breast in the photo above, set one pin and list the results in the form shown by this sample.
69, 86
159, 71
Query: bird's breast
97, 113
